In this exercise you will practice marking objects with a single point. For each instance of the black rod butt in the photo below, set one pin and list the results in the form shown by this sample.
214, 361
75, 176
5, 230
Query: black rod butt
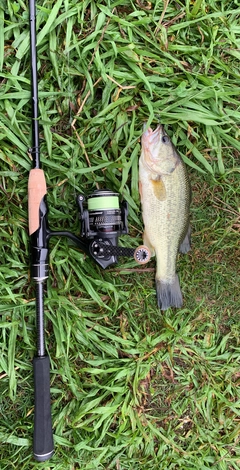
43, 447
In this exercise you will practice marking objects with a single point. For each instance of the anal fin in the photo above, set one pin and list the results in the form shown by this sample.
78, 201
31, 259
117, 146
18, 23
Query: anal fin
185, 246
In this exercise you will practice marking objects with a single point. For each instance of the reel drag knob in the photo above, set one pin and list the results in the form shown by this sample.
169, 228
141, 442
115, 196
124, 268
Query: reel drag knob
142, 254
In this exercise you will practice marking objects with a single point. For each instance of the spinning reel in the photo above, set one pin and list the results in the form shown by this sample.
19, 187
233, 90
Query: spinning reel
103, 220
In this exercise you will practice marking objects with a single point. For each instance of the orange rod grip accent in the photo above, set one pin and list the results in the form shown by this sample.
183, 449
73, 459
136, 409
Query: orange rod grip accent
37, 189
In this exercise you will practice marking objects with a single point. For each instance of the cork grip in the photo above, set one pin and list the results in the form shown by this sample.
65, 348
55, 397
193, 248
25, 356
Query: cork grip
36, 190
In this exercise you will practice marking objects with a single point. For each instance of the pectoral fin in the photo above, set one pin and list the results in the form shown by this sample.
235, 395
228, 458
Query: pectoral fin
159, 189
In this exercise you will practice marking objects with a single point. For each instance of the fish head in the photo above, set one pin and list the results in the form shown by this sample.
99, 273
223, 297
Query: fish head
158, 152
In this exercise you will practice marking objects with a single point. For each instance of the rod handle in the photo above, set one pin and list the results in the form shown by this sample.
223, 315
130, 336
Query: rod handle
43, 447
37, 189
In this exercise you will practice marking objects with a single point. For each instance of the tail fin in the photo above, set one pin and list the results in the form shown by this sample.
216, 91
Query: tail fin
169, 294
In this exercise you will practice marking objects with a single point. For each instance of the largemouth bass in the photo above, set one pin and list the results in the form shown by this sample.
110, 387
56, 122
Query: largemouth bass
165, 198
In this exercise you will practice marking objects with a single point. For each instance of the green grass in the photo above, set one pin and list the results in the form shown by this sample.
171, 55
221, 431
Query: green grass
131, 388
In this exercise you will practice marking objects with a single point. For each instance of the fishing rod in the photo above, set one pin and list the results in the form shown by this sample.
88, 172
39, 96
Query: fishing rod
103, 219
38, 227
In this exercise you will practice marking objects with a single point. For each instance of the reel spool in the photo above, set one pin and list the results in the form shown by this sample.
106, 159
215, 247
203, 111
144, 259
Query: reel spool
102, 215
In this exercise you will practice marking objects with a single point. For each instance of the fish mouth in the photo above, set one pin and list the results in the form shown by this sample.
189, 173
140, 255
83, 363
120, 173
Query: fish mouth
152, 135
150, 139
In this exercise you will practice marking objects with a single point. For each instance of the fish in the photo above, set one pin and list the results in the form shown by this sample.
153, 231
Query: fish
165, 195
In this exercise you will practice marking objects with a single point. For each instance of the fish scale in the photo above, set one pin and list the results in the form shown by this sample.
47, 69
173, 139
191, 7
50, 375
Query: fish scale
165, 198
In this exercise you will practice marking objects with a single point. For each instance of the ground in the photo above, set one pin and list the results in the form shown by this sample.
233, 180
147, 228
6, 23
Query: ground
131, 387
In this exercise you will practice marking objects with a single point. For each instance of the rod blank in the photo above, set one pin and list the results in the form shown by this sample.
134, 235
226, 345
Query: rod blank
35, 150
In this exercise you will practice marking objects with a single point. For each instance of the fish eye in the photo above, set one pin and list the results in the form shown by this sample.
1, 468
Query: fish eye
165, 139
